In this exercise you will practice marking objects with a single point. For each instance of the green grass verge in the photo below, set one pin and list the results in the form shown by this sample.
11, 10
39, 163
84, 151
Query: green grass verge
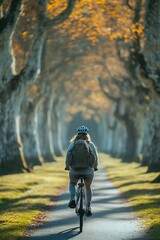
24, 196
135, 185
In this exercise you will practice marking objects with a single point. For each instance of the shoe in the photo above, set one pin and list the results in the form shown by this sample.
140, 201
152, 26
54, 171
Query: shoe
72, 204
88, 212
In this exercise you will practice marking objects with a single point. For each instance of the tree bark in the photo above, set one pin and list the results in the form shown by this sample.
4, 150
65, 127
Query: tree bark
10, 159
9, 105
152, 56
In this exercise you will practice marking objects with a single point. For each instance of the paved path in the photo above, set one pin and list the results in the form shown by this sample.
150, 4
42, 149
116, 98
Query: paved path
112, 218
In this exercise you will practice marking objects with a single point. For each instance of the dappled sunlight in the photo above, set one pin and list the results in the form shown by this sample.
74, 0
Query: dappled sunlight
137, 187
109, 209
23, 196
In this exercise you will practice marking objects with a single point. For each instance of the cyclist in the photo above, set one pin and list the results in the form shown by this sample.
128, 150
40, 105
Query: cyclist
88, 173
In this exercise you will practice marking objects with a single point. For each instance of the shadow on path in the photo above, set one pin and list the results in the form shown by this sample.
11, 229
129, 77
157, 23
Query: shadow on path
112, 218
63, 235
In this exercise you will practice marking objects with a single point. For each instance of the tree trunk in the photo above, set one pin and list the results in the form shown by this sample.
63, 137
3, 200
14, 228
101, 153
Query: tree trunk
57, 138
152, 36
119, 138
103, 133
28, 134
56, 128
50, 129
38, 130
10, 158
44, 131
128, 120
60, 116
156, 180
154, 164
131, 141
146, 141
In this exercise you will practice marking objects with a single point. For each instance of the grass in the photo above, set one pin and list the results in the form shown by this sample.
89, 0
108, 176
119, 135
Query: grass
135, 185
24, 196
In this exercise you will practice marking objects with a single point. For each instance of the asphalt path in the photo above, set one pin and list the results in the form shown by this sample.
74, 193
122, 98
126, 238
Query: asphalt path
112, 219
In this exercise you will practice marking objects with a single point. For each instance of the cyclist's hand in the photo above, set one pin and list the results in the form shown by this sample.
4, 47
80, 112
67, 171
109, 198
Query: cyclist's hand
66, 168
95, 169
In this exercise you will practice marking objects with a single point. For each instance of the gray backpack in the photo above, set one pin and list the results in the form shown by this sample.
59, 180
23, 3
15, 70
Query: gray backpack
82, 155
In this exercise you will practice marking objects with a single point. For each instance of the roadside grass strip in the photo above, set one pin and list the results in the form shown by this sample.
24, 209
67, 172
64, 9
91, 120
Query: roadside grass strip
24, 196
135, 185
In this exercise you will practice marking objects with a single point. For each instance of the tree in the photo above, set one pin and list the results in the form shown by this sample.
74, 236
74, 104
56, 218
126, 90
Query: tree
12, 85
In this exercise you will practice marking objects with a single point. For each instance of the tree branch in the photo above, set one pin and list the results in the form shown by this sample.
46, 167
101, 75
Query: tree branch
32, 69
129, 5
33, 66
49, 23
12, 16
108, 95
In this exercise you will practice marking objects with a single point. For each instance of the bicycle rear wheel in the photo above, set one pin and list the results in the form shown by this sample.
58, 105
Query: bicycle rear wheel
81, 212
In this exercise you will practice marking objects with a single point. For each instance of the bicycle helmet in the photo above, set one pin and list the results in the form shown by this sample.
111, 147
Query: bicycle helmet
82, 129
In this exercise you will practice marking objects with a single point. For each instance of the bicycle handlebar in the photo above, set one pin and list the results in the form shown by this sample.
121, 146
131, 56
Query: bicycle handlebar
67, 169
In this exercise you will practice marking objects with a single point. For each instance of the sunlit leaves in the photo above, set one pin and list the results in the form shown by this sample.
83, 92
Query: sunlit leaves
55, 7
90, 20
95, 19
137, 28
87, 21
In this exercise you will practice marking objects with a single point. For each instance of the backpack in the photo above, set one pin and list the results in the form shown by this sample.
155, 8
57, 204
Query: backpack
82, 155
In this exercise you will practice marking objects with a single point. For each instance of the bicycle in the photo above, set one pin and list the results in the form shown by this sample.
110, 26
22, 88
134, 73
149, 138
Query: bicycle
80, 201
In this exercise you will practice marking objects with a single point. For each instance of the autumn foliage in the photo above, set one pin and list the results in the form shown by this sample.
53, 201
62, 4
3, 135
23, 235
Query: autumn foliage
95, 19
